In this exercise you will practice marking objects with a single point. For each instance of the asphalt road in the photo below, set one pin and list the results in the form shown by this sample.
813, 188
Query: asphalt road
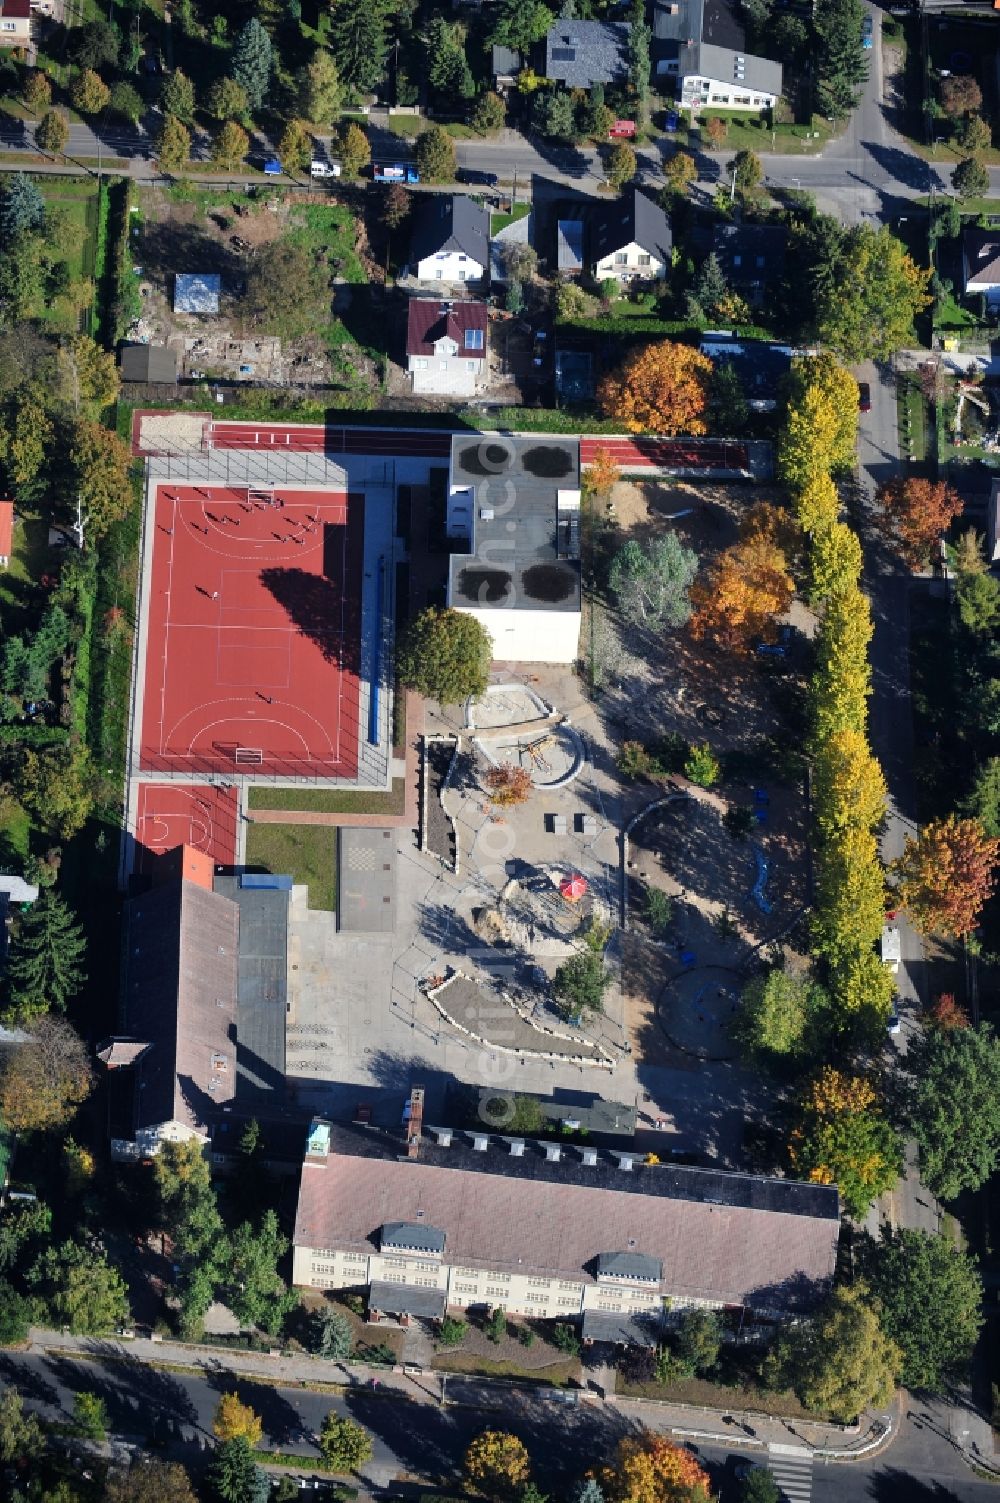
173, 1411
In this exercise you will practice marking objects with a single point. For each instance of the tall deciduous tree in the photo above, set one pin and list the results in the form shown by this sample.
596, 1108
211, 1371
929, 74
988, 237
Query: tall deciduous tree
445, 655
521, 23
178, 97
435, 154
960, 95
52, 132
841, 1361
359, 37
930, 1297
37, 92
946, 875
680, 171
21, 1436
820, 429
497, 1465
319, 88
152, 1482
57, 785
345, 1444
744, 592
621, 164
259, 1296
43, 1081
227, 100
970, 179
983, 803
953, 1107
747, 170
842, 1138
780, 1015
354, 150
234, 1418
90, 94
866, 310
102, 465
295, 147
45, 968
230, 145
915, 515
651, 1469
652, 583
80, 1289
173, 145
662, 388
251, 62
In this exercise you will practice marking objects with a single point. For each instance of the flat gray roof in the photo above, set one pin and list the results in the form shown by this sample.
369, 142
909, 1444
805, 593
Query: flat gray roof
403, 1299
261, 986
366, 881
525, 557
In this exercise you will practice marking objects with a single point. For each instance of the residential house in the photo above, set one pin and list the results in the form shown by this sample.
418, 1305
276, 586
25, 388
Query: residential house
450, 238
15, 23
457, 1219
505, 66
630, 239
762, 367
516, 504
700, 46
580, 54
981, 263
446, 344
751, 257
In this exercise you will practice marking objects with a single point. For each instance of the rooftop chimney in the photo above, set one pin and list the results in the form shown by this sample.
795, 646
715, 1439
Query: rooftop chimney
414, 1121
443, 1135
589, 1156
553, 1152
517, 1148
480, 1142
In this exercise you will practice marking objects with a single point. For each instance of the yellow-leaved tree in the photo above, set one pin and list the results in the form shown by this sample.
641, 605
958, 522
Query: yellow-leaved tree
497, 1465
834, 562
821, 428
841, 1137
662, 388
848, 785
842, 677
747, 588
233, 1419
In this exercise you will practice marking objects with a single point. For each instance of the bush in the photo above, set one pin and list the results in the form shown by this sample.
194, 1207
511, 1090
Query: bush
702, 766
451, 1331
565, 1339
659, 910
526, 1337
496, 1325
739, 821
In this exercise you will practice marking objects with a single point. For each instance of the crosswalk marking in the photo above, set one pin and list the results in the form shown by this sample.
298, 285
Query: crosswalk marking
793, 1472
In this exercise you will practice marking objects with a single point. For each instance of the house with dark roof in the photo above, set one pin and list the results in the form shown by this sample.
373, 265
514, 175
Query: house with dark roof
505, 66
446, 344
630, 239
450, 239
700, 47
981, 263
516, 504
580, 54
751, 257
15, 23
148, 363
202, 1002
459, 1219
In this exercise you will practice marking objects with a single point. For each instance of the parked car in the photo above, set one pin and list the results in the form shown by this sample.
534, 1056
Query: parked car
473, 175
273, 167
324, 169
866, 32
893, 1025
864, 396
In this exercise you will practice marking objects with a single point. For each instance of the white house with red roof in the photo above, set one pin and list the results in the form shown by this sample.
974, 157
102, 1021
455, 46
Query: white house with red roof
446, 344
15, 23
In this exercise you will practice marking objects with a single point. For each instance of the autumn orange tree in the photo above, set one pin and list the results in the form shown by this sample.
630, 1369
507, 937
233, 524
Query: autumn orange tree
662, 388
946, 1014
234, 1418
497, 1465
508, 786
747, 588
650, 1469
916, 513
841, 1137
602, 474
946, 875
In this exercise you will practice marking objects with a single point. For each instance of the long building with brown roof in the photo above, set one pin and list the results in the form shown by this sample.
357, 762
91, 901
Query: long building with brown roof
458, 1218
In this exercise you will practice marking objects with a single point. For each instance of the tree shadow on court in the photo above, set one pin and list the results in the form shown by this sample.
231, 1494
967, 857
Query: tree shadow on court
316, 606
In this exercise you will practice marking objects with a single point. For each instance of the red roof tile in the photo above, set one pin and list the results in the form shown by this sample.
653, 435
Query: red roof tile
15, 10
6, 528
430, 319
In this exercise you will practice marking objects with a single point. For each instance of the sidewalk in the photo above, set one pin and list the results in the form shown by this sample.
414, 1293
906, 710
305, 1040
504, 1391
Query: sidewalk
749, 1430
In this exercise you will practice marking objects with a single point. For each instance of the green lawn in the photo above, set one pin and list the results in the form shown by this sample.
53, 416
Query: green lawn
500, 222
557, 1374
699, 1391
329, 228
330, 800
912, 412
404, 125
307, 852
754, 134
27, 565
77, 198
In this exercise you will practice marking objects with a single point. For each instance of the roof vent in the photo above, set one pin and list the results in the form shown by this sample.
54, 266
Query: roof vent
443, 1135
480, 1142
553, 1153
517, 1148
625, 1162
589, 1156
486, 514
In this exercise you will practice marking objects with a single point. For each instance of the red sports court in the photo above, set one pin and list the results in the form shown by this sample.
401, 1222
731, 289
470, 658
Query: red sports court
196, 815
254, 625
